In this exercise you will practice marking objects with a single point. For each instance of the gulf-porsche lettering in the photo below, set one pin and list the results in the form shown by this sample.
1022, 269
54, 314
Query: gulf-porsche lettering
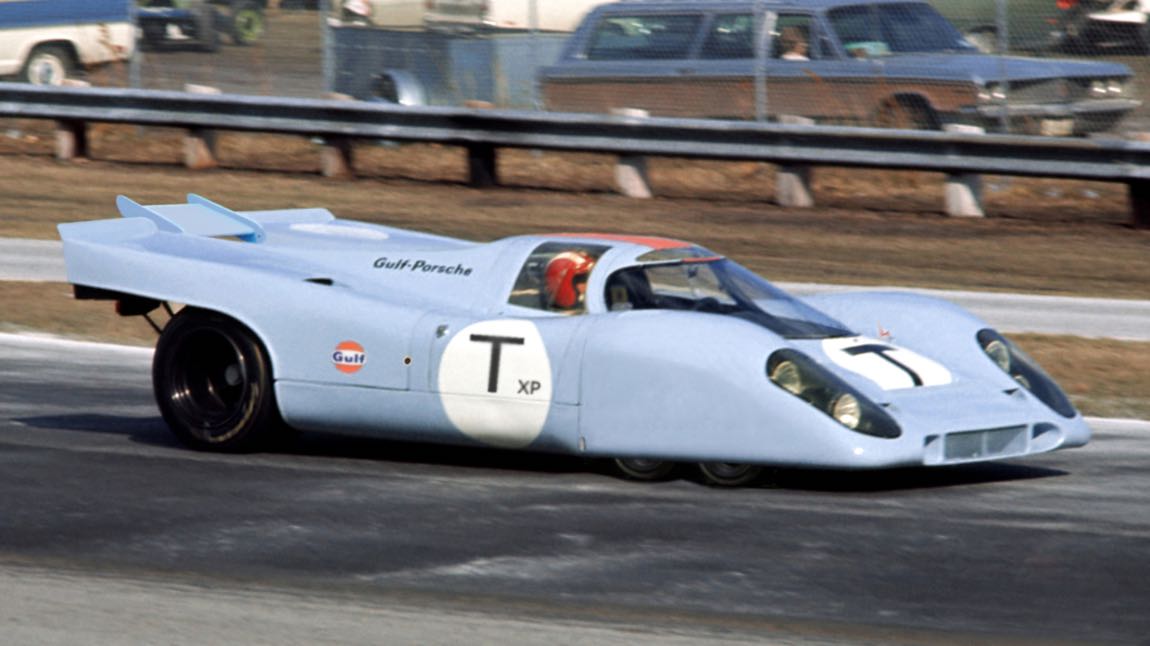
889, 366
421, 266
495, 382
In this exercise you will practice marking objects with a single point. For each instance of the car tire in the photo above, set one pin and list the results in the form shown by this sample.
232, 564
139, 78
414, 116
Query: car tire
247, 23
48, 65
645, 470
213, 383
729, 474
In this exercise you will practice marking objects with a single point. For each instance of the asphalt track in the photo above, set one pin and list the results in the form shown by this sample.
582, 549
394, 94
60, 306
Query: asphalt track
111, 531
41, 260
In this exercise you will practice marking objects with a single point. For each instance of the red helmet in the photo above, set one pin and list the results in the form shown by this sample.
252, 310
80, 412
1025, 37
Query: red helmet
564, 273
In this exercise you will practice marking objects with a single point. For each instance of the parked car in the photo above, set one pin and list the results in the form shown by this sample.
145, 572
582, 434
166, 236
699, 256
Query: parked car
1107, 25
48, 41
892, 63
199, 23
648, 351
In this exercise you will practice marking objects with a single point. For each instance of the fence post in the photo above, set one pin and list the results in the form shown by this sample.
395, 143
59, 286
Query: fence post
963, 193
200, 143
482, 167
337, 155
1138, 192
631, 178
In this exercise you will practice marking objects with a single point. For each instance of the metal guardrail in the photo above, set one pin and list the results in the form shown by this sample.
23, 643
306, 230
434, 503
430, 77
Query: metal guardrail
483, 131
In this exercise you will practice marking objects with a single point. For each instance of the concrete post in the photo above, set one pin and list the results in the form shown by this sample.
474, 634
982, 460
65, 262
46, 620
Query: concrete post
793, 181
200, 143
631, 178
71, 140
963, 192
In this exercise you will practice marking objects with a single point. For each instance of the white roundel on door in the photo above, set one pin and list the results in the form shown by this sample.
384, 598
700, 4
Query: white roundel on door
495, 382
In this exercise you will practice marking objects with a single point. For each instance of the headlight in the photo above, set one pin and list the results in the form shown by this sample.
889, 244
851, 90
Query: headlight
991, 93
800, 376
847, 411
1116, 87
1025, 371
1098, 88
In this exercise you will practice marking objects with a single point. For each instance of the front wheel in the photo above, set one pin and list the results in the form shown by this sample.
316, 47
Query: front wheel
247, 23
213, 383
48, 65
729, 474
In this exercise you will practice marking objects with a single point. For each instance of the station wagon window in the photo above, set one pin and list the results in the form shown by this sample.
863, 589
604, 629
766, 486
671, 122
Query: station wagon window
792, 38
881, 30
554, 277
643, 37
732, 36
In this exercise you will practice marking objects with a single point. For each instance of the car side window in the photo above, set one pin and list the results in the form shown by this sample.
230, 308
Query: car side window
554, 277
643, 37
792, 38
731, 36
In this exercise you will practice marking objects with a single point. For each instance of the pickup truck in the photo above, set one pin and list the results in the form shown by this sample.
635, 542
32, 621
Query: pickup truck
48, 41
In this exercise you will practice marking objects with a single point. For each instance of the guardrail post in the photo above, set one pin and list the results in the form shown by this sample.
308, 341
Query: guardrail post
482, 169
963, 193
631, 170
337, 156
200, 143
1138, 191
71, 140
793, 181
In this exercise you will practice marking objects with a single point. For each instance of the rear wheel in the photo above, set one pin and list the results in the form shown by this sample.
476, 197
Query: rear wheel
729, 474
213, 383
906, 114
645, 469
48, 65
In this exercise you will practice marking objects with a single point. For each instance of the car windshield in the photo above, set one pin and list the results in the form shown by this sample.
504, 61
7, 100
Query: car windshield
885, 29
718, 286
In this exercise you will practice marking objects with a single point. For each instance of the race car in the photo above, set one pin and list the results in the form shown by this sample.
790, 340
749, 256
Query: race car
647, 351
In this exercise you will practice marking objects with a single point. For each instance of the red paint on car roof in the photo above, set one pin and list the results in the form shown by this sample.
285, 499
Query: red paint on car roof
653, 242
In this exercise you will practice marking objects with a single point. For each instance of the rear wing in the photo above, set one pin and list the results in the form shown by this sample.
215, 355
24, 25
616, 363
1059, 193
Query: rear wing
200, 216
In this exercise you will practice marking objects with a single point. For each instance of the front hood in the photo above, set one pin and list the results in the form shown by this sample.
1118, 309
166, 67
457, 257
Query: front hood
986, 68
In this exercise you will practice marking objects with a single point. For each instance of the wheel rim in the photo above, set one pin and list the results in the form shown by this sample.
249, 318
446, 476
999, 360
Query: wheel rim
46, 69
644, 468
249, 25
210, 388
729, 474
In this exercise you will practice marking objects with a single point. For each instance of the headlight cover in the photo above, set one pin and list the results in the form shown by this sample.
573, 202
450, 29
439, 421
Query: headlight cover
800, 376
1025, 371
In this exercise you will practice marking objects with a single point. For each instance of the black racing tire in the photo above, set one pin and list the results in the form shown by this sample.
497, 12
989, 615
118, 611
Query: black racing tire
213, 383
644, 469
729, 474
247, 22
48, 65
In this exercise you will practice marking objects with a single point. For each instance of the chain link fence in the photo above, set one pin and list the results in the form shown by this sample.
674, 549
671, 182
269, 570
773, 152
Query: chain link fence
1044, 67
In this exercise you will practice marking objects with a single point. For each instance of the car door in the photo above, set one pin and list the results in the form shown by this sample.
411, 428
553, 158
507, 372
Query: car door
510, 377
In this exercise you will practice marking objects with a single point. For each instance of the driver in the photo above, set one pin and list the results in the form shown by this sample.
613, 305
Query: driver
566, 277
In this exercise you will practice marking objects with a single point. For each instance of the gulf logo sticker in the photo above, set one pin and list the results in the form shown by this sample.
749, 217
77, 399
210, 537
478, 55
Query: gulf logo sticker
349, 357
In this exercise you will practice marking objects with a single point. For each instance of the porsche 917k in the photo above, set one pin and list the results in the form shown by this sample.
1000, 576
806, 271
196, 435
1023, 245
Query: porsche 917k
648, 351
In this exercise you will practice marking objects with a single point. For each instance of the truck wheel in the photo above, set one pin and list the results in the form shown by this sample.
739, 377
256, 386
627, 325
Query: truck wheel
213, 383
247, 23
906, 114
48, 65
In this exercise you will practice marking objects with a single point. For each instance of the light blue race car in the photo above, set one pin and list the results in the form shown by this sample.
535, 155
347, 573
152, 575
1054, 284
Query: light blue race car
649, 351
